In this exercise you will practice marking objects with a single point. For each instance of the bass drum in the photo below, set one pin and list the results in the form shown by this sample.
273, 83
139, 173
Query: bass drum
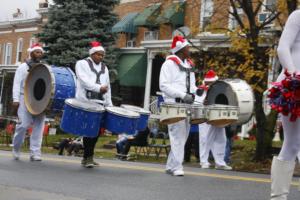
233, 92
47, 87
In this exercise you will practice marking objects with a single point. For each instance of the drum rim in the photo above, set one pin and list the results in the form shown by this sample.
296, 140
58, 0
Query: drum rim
101, 108
135, 114
179, 105
140, 110
221, 106
52, 89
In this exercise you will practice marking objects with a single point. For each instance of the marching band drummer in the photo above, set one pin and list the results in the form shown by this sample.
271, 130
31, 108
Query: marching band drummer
211, 138
25, 118
92, 83
177, 84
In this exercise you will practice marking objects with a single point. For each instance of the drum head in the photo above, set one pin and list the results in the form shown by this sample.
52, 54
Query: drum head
85, 105
38, 89
135, 109
221, 93
122, 112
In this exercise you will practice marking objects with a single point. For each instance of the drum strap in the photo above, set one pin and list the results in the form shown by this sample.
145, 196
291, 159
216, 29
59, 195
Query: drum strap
91, 94
98, 74
30, 64
188, 72
188, 82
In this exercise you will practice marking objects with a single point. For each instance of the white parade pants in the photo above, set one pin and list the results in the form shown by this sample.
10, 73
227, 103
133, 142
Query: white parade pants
25, 121
178, 134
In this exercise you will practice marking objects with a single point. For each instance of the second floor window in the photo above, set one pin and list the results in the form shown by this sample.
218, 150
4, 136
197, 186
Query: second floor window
207, 8
19, 50
7, 53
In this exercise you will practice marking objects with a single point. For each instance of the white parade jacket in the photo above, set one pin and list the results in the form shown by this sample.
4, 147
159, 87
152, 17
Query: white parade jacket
86, 80
172, 80
19, 81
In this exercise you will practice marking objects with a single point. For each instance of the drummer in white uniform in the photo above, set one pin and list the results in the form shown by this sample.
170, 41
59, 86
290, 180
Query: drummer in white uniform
211, 138
92, 84
177, 84
25, 118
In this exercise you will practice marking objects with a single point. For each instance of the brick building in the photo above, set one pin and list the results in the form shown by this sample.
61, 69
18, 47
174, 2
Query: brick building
144, 34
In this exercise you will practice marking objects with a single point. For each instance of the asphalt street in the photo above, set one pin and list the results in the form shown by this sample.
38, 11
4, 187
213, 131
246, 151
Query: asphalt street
63, 178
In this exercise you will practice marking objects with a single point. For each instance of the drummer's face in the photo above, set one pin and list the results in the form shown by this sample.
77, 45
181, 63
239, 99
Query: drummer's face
36, 55
186, 51
98, 56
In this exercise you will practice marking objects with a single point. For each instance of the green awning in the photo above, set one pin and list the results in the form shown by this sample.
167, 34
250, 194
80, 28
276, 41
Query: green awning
148, 16
125, 25
174, 14
132, 69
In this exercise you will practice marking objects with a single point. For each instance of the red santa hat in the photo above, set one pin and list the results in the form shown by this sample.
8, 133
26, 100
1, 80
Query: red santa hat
35, 46
95, 46
210, 76
178, 43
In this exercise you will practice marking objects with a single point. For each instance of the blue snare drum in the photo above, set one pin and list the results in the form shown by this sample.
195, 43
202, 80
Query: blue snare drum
47, 87
82, 118
144, 116
120, 120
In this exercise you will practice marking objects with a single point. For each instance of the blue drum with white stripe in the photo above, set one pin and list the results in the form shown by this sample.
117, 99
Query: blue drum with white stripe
82, 118
120, 120
144, 116
47, 87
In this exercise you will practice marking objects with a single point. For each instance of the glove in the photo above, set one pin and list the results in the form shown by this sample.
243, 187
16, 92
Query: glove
200, 92
188, 98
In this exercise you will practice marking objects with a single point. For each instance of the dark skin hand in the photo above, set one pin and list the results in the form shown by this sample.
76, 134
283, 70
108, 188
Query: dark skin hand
98, 57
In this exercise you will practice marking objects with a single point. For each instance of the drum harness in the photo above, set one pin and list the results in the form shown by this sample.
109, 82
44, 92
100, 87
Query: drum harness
31, 64
91, 94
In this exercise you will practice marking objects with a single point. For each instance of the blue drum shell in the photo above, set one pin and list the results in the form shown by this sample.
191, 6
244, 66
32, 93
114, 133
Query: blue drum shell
120, 124
81, 122
65, 87
142, 122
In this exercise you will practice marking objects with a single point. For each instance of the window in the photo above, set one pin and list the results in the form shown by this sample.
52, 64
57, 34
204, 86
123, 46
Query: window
232, 22
207, 8
32, 41
268, 9
151, 35
3, 53
19, 50
269, 5
8, 54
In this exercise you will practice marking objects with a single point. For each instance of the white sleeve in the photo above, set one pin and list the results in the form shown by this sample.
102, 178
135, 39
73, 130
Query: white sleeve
109, 90
17, 84
289, 34
165, 82
84, 79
